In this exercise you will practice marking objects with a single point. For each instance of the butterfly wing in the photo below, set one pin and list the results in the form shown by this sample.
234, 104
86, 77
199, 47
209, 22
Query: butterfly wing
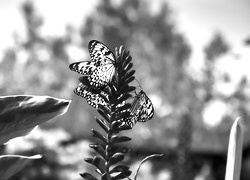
102, 75
83, 67
141, 110
92, 96
145, 111
100, 53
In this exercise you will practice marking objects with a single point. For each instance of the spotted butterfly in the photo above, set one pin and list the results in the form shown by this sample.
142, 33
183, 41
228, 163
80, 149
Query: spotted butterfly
141, 110
101, 69
91, 95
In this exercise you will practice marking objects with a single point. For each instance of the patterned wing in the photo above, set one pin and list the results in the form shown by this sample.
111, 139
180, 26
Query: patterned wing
101, 69
102, 75
83, 67
141, 110
92, 96
100, 53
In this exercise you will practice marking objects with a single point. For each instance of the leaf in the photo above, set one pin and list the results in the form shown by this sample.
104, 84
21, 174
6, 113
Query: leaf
123, 89
113, 140
104, 109
99, 135
123, 97
129, 80
128, 75
123, 139
128, 67
119, 168
122, 175
106, 176
123, 150
99, 149
88, 176
89, 160
21, 114
99, 163
115, 126
105, 116
103, 124
117, 157
11, 164
130, 89
127, 60
234, 155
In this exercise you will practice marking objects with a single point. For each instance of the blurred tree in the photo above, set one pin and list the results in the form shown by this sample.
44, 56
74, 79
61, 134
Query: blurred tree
215, 48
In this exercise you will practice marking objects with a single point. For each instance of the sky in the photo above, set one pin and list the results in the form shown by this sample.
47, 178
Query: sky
198, 20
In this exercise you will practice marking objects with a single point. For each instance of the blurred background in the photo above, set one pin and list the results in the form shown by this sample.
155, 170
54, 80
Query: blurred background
191, 57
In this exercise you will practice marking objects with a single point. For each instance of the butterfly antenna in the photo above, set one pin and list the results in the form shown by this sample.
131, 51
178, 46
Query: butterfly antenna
138, 84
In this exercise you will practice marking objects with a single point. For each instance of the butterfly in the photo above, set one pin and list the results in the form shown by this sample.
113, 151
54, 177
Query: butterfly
91, 95
101, 69
141, 109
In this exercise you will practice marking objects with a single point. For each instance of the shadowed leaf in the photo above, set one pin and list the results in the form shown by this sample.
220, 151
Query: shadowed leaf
21, 114
117, 157
88, 176
100, 136
11, 164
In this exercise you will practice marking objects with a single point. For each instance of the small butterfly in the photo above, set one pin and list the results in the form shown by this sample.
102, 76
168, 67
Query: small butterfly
141, 110
91, 95
101, 69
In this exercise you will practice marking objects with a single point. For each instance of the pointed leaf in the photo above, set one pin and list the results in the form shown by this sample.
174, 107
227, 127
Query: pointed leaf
106, 176
88, 176
105, 116
104, 109
128, 59
99, 163
115, 126
124, 128
113, 140
129, 80
117, 157
123, 89
128, 67
11, 164
130, 89
21, 114
100, 136
122, 175
123, 139
119, 168
89, 160
128, 74
124, 97
99, 149
103, 124
116, 149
